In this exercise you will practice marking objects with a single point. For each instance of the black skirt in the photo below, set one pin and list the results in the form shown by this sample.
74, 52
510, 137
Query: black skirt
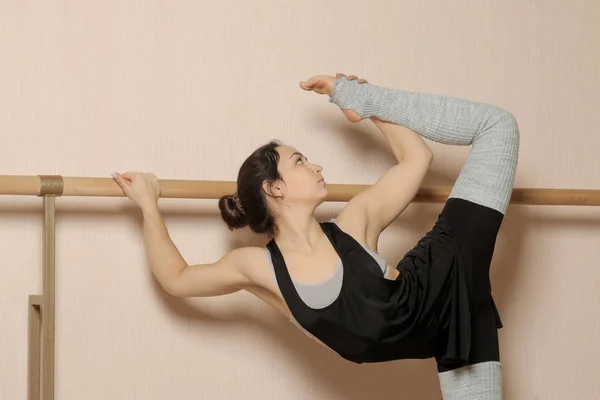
451, 264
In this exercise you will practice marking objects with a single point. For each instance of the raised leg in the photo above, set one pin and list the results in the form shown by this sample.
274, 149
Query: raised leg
488, 175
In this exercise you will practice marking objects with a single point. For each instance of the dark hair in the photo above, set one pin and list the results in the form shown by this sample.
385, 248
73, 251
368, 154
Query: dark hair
261, 165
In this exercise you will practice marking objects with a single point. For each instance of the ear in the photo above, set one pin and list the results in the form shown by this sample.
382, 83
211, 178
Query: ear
272, 189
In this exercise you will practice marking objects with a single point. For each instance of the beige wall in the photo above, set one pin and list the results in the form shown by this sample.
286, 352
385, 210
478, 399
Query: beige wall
188, 89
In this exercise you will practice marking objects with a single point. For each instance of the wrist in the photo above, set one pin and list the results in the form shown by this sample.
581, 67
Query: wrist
150, 209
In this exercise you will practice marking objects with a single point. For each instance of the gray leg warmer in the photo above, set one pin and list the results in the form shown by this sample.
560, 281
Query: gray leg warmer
482, 381
488, 175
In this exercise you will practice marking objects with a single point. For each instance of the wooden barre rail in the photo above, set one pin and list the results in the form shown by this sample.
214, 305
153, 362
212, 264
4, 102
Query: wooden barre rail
57, 185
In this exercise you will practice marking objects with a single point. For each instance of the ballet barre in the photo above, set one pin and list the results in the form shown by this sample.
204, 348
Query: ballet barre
57, 185
41, 308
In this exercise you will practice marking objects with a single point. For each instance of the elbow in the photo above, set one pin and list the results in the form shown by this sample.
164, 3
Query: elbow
508, 124
422, 156
173, 286
426, 155
429, 154
171, 289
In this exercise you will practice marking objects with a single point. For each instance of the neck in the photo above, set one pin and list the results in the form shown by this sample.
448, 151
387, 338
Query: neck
299, 231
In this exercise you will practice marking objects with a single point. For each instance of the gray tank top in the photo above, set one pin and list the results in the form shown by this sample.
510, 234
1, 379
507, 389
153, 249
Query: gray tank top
322, 294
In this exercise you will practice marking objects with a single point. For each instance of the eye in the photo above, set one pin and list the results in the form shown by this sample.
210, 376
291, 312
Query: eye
299, 159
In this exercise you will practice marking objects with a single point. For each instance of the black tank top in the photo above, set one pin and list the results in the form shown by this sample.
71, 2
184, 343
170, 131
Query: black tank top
376, 319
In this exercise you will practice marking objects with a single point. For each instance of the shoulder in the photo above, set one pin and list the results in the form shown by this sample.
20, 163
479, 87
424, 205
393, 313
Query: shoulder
354, 223
253, 262
246, 257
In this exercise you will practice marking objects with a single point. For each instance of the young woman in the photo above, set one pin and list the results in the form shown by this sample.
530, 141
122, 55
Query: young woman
328, 277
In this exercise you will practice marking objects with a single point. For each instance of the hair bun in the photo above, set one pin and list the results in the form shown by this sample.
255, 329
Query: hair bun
238, 203
232, 212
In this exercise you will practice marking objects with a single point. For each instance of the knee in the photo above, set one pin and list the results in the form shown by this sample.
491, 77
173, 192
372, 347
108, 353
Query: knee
507, 124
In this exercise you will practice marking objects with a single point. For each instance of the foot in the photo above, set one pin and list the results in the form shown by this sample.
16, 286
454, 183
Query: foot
323, 84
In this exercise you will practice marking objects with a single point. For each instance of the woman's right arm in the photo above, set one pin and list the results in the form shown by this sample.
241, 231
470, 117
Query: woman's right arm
224, 276
179, 279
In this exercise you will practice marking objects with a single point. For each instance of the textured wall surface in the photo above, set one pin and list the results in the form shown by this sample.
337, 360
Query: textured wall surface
188, 89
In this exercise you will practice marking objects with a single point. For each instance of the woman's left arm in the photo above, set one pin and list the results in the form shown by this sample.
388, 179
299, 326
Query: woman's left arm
380, 204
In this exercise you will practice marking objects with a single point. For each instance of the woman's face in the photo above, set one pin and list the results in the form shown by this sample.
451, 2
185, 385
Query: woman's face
304, 182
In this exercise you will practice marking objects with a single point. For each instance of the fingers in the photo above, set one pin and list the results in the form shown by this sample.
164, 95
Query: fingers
131, 176
122, 182
120, 178
125, 180
351, 78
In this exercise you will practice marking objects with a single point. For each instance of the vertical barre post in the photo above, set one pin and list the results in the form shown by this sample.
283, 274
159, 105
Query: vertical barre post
48, 316
40, 379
